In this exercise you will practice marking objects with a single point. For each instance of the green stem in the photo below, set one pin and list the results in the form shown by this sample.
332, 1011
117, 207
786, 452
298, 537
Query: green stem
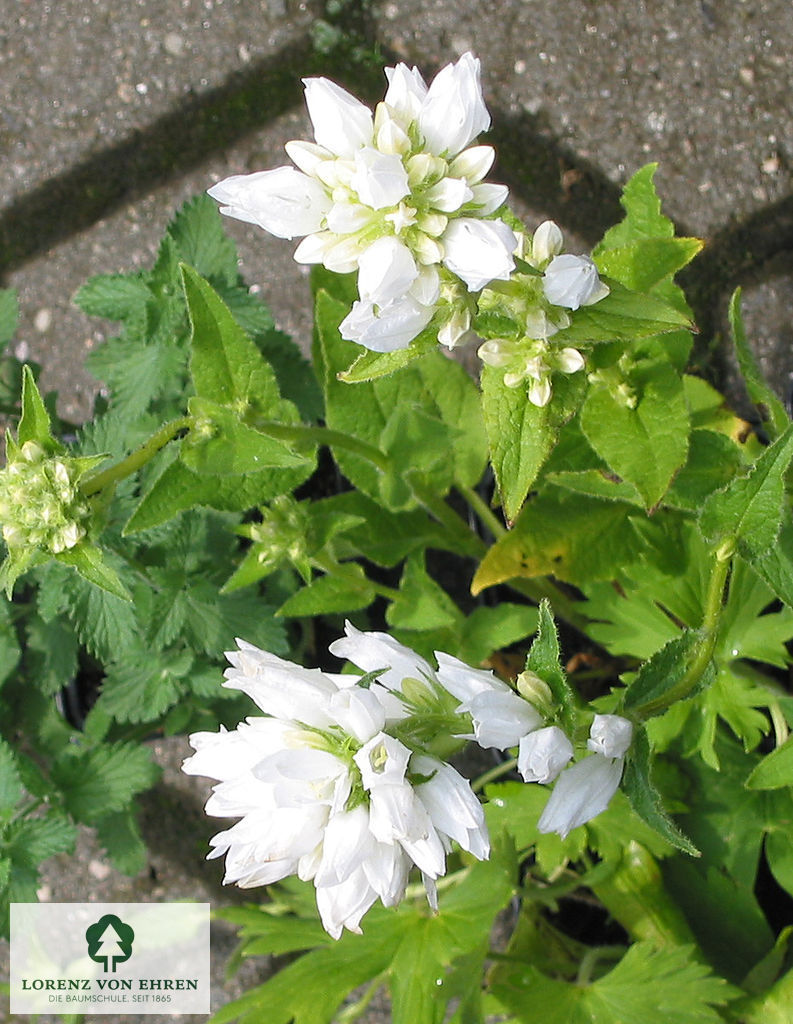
483, 511
714, 601
135, 460
591, 958
354, 1010
492, 774
326, 437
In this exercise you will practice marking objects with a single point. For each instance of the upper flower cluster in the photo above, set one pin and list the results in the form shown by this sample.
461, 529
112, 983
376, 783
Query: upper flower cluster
398, 195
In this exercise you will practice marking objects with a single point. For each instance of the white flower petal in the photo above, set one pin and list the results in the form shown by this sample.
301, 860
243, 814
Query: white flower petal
453, 112
546, 243
347, 218
307, 156
473, 163
386, 328
452, 805
380, 179
342, 123
582, 791
487, 198
449, 194
406, 91
464, 682
386, 270
572, 281
501, 719
610, 735
479, 251
382, 761
543, 754
285, 202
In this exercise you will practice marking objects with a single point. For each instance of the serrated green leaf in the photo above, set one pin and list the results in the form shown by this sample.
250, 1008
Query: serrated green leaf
102, 780
106, 624
648, 986
90, 562
760, 393
10, 781
34, 423
662, 673
522, 435
137, 372
178, 489
33, 840
225, 364
643, 263
647, 444
230, 448
421, 603
623, 315
119, 834
643, 216
488, 629
596, 483
749, 509
775, 770
141, 688
775, 566
433, 389
114, 296
330, 593
371, 365
644, 797
713, 460
9, 315
544, 659
52, 649
197, 229
559, 533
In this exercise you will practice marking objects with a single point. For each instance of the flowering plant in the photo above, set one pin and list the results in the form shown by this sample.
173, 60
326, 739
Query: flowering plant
576, 563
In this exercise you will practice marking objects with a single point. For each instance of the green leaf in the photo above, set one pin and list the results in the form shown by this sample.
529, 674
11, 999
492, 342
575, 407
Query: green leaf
200, 237
106, 624
522, 435
225, 364
119, 834
648, 986
775, 770
89, 561
371, 365
775, 566
36, 839
647, 444
559, 533
114, 296
750, 508
492, 628
178, 489
544, 659
421, 603
623, 315
713, 460
52, 649
766, 400
34, 424
221, 445
644, 797
433, 397
643, 213
662, 673
9, 315
10, 781
643, 263
141, 688
330, 593
100, 780
137, 372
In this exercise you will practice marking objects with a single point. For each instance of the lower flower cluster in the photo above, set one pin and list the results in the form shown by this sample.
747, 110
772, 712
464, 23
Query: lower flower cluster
343, 780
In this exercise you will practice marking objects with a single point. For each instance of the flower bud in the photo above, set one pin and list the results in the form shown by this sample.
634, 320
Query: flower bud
542, 754
610, 735
546, 243
572, 281
535, 690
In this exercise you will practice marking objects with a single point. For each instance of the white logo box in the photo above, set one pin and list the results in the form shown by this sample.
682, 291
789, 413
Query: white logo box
110, 958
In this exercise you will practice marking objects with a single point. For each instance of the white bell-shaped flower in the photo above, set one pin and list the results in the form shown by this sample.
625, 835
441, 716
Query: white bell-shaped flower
543, 754
285, 202
573, 281
454, 112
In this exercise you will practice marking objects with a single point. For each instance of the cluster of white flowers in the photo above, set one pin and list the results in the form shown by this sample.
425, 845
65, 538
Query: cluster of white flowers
584, 789
540, 307
397, 196
40, 504
340, 782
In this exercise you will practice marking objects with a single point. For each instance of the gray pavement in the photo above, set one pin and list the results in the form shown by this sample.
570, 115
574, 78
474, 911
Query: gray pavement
114, 114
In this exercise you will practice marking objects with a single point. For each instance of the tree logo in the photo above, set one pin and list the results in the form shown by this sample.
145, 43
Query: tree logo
109, 941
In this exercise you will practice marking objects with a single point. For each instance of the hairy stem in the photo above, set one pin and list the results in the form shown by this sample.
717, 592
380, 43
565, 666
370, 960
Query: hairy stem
137, 459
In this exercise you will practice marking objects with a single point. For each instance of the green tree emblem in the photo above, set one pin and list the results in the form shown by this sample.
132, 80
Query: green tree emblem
109, 941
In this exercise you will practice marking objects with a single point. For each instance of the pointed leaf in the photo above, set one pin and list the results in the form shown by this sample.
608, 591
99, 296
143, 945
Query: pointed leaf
34, 424
642, 264
89, 561
760, 393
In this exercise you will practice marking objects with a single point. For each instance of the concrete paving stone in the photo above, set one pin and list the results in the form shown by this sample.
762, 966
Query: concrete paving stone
701, 88
79, 76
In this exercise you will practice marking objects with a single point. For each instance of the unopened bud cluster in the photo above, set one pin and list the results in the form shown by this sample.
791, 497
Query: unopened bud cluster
40, 504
